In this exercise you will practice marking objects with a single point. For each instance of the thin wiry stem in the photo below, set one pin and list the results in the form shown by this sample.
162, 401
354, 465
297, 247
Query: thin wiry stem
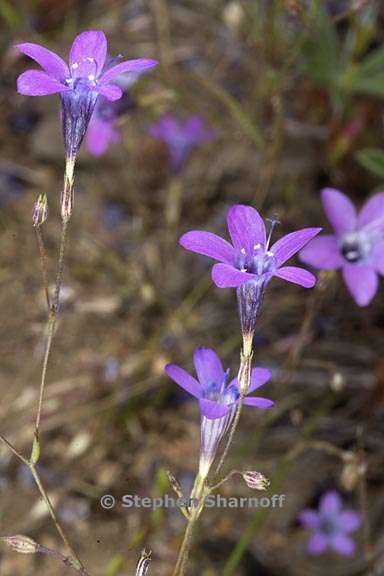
43, 262
13, 449
244, 379
199, 492
75, 562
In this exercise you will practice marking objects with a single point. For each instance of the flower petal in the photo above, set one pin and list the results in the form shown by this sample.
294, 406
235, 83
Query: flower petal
208, 244
330, 503
213, 410
51, 63
246, 227
110, 92
259, 376
342, 544
258, 402
361, 281
349, 520
36, 83
297, 276
310, 519
198, 132
208, 367
88, 53
226, 276
138, 65
339, 210
184, 379
100, 135
323, 253
372, 210
317, 543
291, 243
377, 257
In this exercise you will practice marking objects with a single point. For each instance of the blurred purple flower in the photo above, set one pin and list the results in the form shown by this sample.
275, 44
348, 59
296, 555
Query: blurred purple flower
249, 263
331, 525
80, 84
357, 247
180, 137
217, 398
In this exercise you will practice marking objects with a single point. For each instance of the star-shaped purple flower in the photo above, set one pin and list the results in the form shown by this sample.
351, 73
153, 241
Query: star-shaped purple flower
180, 137
80, 84
249, 262
357, 246
216, 396
331, 526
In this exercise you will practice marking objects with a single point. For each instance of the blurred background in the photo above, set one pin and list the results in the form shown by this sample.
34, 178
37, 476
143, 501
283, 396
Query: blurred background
290, 98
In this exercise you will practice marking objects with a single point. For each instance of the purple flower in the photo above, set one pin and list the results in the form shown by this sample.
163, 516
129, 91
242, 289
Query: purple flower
217, 397
357, 247
249, 262
331, 525
180, 137
80, 84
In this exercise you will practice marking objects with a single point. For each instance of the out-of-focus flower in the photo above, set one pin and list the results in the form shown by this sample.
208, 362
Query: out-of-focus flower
218, 399
80, 84
249, 262
255, 480
331, 525
357, 246
180, 137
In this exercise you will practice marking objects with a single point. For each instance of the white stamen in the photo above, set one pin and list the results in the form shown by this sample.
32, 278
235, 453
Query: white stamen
74, 66
257, 246
269, 253
90, 59
91, 77
243, 251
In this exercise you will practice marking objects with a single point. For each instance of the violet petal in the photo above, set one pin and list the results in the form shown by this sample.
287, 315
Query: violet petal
317, 543
88, 54
342, 544
291, 243
361, 281
36, 83
111, 92
339, 210
349, 520
323, 253
258, 402
377, 257
184, 379
208, 244
226, 276
213, 410
208, 367
372, 210
137, 65
330, 503
310, 519
51, 63
296, 276
246, 227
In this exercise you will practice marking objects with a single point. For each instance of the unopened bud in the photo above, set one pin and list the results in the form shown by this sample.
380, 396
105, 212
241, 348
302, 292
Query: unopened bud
40, 211
143, 564
21, 544
255, 480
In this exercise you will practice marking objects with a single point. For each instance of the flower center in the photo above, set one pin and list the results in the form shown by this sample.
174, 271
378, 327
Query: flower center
260, 261
83, 74
355, 246
218, 393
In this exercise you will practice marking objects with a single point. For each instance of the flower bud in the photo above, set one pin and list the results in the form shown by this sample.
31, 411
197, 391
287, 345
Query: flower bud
21, 544
255, 480
143, 564
40, 211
